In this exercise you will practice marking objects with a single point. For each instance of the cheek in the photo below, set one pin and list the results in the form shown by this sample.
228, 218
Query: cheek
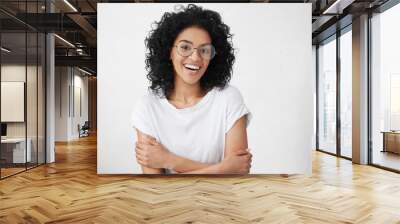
176, 63
206, 64
174, 60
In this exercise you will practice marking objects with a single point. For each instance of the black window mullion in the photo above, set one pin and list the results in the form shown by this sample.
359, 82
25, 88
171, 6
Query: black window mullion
45, 92
26, 86
0, 97
37, 90
369, 90
317, 96
338, 92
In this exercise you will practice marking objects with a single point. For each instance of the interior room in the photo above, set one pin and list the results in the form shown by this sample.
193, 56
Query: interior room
49, 151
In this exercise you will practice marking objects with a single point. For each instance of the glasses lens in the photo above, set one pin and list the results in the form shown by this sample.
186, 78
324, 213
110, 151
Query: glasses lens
207, 51
185, 49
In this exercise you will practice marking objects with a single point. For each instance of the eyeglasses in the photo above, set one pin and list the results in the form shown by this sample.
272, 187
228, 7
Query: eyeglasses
206, 51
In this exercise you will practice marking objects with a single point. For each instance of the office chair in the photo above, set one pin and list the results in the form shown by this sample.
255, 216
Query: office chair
84, 130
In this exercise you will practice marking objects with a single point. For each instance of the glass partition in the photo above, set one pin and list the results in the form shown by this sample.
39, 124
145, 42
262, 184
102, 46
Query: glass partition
346, 94
327, 96
41, 107
22, 78
385, 89
13, 109
32, 95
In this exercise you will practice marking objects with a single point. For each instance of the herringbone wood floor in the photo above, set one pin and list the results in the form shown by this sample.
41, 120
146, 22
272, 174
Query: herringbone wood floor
70, 191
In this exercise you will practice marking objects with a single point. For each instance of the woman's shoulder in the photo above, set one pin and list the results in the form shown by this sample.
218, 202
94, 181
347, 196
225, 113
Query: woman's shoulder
148, 99
229, 92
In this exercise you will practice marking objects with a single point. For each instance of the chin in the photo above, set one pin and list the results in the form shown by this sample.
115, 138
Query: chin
192, 80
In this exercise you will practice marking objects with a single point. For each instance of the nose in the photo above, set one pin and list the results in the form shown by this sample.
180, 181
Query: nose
195, 56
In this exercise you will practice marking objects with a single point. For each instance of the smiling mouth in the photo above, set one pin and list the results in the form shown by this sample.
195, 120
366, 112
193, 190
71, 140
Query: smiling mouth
192, 67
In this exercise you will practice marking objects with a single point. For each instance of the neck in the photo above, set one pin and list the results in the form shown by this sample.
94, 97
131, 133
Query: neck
186, 93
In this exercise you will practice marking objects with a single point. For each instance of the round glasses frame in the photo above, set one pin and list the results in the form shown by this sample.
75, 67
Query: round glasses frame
213, 52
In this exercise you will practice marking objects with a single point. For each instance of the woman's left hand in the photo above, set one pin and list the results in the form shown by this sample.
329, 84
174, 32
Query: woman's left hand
152, 154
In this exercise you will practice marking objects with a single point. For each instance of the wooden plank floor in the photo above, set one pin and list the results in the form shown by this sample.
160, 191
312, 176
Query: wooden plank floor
70, 191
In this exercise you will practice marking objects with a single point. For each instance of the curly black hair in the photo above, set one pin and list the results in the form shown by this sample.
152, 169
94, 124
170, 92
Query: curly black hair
161, 39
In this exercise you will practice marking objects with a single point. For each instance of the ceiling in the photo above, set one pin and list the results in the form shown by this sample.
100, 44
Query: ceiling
76, 22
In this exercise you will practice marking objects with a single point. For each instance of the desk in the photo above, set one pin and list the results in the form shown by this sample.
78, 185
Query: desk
391, 141
16, 147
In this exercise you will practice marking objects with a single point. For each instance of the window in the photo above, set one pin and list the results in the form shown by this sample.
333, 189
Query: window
327, 96
385, 88
346, 93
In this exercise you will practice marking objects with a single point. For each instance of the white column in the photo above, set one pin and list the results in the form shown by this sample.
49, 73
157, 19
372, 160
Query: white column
360, 90
50, 92
50, 100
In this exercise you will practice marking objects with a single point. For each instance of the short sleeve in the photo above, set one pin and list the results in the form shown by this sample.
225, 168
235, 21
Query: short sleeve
236, 108
140, 118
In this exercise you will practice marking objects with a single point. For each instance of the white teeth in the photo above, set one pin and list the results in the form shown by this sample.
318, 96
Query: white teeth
194, 67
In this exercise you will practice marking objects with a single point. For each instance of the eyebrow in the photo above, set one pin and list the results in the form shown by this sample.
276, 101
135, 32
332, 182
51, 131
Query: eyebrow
190, 42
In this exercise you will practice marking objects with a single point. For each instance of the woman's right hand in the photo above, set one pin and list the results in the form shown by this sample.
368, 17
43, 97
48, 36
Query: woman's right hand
152, 154
238, 163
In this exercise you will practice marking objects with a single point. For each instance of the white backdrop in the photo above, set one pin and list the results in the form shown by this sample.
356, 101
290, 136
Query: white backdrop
273, 71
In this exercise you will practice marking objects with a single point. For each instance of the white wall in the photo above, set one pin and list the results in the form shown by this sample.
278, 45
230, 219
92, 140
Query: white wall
273, 71
80, 83
68, 80
61, 103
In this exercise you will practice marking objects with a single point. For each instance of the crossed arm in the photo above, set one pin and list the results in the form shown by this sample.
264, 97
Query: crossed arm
154, 157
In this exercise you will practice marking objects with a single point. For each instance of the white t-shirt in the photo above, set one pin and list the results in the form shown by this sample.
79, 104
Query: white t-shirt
197, 132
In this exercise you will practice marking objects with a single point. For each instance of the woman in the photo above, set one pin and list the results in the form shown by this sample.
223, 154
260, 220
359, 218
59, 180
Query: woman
192, 121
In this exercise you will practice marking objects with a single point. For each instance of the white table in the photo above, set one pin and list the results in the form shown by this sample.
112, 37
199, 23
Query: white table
18, 144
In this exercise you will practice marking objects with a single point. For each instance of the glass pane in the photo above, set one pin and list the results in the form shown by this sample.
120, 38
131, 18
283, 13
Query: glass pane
13, 86
23, 88
386, 89
31, 84
32, 95
327, 96
346, 93
41, 98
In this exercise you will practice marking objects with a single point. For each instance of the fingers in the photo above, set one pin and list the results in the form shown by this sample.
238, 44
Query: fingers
144, 146
140, 158
246, 168
143, 154
247, 163
149, 140
249, 159
148, 137
141, 149
250, 156
140, 154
